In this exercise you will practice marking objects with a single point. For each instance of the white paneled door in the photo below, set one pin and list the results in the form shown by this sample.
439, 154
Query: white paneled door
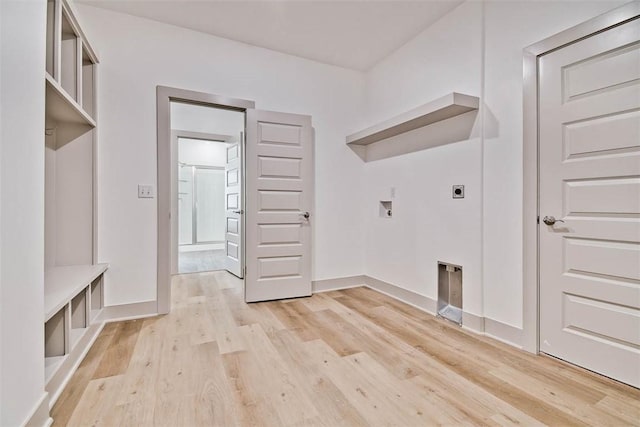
234, 210
589, 181
279, 198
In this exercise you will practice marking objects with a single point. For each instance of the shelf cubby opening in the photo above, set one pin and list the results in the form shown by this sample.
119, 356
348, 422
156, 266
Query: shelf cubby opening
79, 317
79, 311
51, 37
55, 334
56, 342
88, 78
69, 57
96, 297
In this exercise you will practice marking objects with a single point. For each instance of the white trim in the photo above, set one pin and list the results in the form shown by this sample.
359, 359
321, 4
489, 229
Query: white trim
136, 310
473, 322
40, 414
627, 12
414, 299
328, 285
502, 332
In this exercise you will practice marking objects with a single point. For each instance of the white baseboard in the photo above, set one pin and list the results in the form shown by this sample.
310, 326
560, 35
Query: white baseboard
473, 322
136, 310
477, 324
40, 414
502, 332
339, 283
422, 302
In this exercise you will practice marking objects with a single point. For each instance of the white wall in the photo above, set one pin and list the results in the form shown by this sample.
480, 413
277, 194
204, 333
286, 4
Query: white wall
510, 27
202, 153
484, 232
2, 37
136, 55
22, 60
428, 225
200, 118
203, 119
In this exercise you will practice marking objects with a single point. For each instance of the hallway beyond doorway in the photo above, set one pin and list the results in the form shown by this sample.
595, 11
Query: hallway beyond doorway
198, 261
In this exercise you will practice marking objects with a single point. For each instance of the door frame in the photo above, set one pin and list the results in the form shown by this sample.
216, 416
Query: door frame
176, 134
531, 262
165, 156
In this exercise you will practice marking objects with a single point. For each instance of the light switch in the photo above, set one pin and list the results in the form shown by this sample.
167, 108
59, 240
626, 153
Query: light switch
145, 191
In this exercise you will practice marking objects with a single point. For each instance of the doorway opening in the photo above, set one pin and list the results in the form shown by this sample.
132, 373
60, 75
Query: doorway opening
277, 159
206, 230
190, 111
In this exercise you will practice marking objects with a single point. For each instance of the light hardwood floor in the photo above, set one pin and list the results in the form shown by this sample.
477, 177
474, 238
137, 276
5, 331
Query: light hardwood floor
344, 358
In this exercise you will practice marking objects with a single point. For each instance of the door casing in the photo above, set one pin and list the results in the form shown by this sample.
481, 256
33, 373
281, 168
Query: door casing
166, 159
531, 265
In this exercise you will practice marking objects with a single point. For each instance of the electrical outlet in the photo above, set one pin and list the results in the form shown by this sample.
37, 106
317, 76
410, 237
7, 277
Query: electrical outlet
145, 191
458, 192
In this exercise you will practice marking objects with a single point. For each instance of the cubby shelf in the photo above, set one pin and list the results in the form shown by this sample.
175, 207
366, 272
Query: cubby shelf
61, 107
61, 284
75, 335
73, 283
73, 300
51, 365
449, 106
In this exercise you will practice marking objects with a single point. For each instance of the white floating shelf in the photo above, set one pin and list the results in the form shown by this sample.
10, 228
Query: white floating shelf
61, 284
62, 108
451, 105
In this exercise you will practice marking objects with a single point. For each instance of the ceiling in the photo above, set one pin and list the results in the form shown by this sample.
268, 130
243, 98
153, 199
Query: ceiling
353, 34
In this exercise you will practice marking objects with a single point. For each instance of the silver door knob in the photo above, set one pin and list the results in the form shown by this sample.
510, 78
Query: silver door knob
549, 220
306, 215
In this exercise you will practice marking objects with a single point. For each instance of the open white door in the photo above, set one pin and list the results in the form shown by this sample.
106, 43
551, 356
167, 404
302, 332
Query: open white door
234, 210
279, 198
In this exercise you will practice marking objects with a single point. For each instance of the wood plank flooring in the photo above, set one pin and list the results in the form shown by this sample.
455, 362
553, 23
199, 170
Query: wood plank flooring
344, 358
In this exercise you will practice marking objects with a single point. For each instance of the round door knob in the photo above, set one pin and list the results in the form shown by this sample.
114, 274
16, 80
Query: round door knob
306, 215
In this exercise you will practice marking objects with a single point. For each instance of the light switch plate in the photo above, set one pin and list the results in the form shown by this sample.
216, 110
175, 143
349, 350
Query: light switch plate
145, 191
458, 192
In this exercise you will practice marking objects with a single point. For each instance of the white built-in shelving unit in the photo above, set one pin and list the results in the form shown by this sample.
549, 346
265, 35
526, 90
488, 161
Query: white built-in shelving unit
74, 282
437, 111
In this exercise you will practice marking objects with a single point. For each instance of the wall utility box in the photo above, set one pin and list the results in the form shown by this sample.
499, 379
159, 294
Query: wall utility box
450, 292
386, 209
